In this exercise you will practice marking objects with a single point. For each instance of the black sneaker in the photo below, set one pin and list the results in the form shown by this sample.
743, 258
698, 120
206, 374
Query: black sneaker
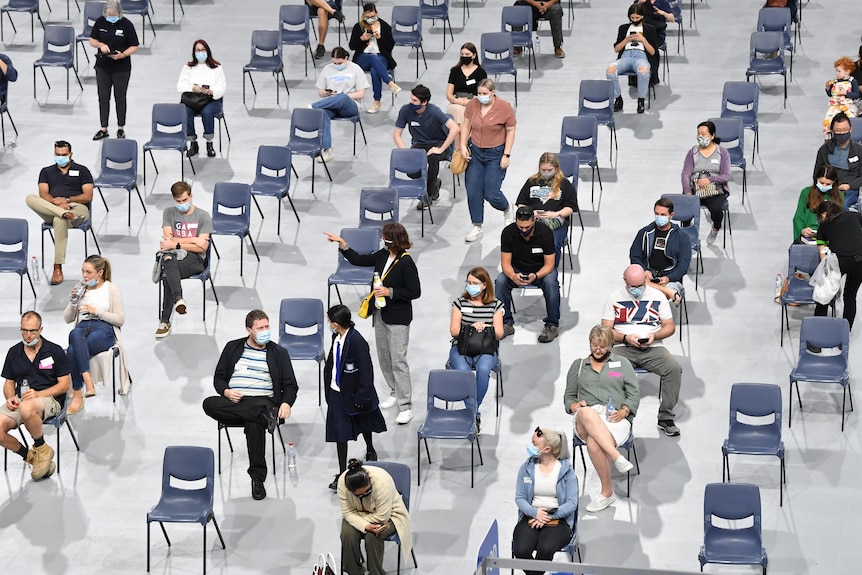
338, 16
320, 52
192, 150
101, 134
618, 104
669, 427
258, 491
121, 134
640, 105
210, 150
270, 418
370, 456
334, 484
435, 192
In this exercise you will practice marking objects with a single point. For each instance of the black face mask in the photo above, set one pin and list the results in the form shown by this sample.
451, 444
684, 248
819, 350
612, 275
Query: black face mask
841, 138
603, 358
466, 60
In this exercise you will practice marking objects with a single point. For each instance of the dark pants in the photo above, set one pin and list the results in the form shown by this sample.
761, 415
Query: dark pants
434, 160
715, 204
853, 270
174, 270
545, 541
89, 338
119, 81
207, 114
351, 554
246, 413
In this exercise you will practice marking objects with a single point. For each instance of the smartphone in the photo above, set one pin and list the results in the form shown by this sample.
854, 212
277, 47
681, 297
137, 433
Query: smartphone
643, 340
525, 277
656, 280
205, 87
328, 91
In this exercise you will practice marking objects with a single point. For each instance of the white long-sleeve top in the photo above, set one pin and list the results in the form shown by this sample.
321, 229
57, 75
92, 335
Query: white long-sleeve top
202, 75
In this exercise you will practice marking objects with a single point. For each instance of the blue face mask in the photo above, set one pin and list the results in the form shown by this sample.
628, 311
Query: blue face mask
112, 19
32, 343
201, 56
262, 337
62, 161
473, 290
340, 67
662, 221
91, 283
415, 107
636, 292
526, 232
823, 188
483, 98
532, 450
183, 207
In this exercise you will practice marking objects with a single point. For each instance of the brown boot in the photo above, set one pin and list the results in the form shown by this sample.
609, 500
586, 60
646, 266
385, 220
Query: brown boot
57, 276
43, 466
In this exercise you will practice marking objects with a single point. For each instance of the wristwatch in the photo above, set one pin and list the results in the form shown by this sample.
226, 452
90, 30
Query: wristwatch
178, 246
508, 155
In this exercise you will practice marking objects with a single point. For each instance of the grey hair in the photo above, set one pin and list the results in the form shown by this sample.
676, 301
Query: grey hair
113, 5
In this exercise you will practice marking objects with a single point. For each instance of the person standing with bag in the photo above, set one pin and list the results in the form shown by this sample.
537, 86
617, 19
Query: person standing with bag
706, 172
398, 288
842, 232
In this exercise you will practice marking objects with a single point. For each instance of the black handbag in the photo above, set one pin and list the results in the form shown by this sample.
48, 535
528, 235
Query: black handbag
472, 342
195, 100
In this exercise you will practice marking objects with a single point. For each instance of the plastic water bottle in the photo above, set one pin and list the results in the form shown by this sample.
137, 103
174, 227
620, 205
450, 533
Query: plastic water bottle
778, 285
25, 387
610, 408
77, 293
291, 455
380, 301
537, 46
34, 268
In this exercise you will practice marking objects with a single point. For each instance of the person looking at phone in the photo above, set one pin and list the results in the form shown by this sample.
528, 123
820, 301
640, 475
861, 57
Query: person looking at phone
663, 250
527, 258
641, 318
636, 47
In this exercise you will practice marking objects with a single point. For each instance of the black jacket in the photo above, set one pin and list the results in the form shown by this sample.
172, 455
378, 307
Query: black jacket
357, 375
403, 279
386, 43
852, 176
284, 386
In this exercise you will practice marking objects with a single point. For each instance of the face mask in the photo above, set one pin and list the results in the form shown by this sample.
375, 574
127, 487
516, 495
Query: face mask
62, 161
823, 188
91, 283
262, 337
371, 20
415, 107
661, 221
32, 343
201, 56
548, 175
484, 98
636, 22
532, 450
112, 19
525, 233
841, 138
703, 141
340, 67
466, 60
636, 292
364, 495
332, 329
603, 358
183, 207
473, 290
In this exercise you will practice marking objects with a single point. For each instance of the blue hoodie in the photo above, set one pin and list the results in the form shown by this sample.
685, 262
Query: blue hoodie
567, 491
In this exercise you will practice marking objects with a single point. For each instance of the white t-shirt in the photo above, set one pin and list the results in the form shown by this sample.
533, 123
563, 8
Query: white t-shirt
638, 316
351, 79
99, 298
545, 487
635, 45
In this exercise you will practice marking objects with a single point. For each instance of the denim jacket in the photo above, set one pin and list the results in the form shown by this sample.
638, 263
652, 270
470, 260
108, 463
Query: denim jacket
567, 491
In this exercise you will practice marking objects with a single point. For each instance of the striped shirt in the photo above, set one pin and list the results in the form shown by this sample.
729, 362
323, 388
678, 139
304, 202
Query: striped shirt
471, 312
251, 373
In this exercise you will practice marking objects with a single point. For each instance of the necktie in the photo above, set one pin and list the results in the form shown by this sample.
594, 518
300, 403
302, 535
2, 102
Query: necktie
338, 361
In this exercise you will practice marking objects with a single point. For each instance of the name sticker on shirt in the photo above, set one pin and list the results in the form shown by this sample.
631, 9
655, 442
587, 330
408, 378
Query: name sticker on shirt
46, 363
349, 367
615, 364
527, 480
470, 82
614, 374
536, 250
118, 33
714, 161
74, 173
414, 124
853, 159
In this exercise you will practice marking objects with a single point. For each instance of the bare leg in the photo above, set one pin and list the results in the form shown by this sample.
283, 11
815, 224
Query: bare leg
6, 440
31, 413
602, 464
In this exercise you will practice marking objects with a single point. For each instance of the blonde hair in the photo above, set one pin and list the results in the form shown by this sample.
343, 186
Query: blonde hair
602, 335
537, 178
554, 440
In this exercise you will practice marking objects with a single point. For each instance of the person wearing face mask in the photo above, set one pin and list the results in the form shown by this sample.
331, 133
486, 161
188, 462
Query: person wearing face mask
115, 39
641, 318
822, 189
256, 389
351, 400
663, 251
371, 509
430, 130
341, 84
546, 494
637, 51
845, 156
841, 232
399, 286
552, 11
590, 383
527, 258
372, 43
553, 199
183, 248
706, 173
65, 193
98, 315
477, 308
463, 84
843, 92
45, 367
205, 76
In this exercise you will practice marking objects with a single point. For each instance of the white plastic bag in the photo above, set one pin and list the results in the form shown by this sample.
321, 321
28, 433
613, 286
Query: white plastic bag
826, 279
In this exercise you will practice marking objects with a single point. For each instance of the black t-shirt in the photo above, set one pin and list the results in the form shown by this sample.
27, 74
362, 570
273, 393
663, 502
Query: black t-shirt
117, 36
50, 364
537, 196
66, 185
528, 256
464, 85
843, 235
657, 258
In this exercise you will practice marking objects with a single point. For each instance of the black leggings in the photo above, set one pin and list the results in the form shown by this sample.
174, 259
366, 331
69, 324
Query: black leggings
853, 270
714, 204
119, 81
545, 541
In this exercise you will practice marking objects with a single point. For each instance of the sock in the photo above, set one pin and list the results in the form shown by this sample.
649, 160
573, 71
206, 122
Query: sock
38, 441
22, 451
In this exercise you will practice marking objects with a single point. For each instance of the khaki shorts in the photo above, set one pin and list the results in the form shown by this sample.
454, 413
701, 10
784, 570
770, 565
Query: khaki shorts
619, 429
50, 408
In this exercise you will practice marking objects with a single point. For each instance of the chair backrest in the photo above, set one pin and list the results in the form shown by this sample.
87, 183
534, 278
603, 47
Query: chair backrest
138, 7
775, 20
856, 130
766, 46
231, 201
731, 132
595, 96
266, 46
58, 40
402, 163
296, 318
434, 8
400, 474
496, 48
579, 134
306, 125
802, 258
518, 20
120, 155
570, 166
452, 385
293, 23
92, 12
686, 212
21, 5
378, 201
273, 167
406, 24
14, 231
188, 463
732, 502
363, 241
741, 100
824, 333
756, 400
169, 120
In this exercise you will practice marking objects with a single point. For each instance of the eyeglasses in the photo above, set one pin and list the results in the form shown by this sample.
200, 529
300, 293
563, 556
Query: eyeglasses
837, 133
538, 431
597, 347
29, 331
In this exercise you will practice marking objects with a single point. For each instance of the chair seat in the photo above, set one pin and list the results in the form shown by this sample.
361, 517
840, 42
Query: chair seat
823, 369
408, 191
732, 547
765, 67
165, 142
268, 189
448, 424
229, 227
305, 148
258, 64
440, 11
503, 67
60, 60
798, 292
351, 276
406, 38
302, 348
114, 179
10, 262
752, 441
192, 507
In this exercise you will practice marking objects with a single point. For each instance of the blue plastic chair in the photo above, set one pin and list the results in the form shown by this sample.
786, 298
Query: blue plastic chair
58, 51
498, 373
265, 57
181, 505
728, 545
686, 212
518, 21
342, 29
818, 334
497, 55
92, 12
580, 135
14, 231
202, 277
357, 119
4, 111
27, 6
402, 163
766, 53
378, 201
86, 226
731, 132
451, 386
407, 31
58, 421
142, 9
119, 169
306, 137
272, 178
802, 260
596, 98
222, 426
296, 319
778, 20
570, 166
294, 25
755, 400
742, 100
437, 10
676, 10
363, 241
400, 474
168, 133
628, 445
231, 215
855, 130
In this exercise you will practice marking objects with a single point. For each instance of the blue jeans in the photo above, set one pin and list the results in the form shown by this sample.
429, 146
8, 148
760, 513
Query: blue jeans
550, 289
90, 337
561, 234
483, 364
337, 106
629, 62
851, 199
483, 180
376, 64
207, 114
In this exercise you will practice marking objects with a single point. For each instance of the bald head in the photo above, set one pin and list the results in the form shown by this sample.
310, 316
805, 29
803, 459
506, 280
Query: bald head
634, 276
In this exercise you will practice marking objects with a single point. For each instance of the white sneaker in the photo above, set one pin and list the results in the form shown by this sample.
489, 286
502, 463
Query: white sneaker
710, 239
404, 417
508, 216
474, 234
325, 156
375, 107
623, 465
600, 503
388, 403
